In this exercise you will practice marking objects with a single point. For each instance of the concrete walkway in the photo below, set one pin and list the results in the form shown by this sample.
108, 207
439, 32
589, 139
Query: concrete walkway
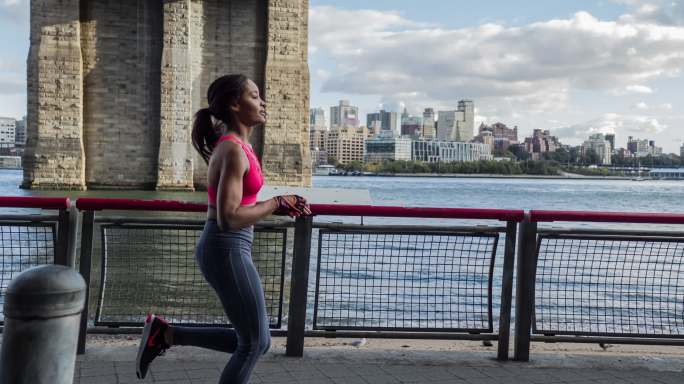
112, 361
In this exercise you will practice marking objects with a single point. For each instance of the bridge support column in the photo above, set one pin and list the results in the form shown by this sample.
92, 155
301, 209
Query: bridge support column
175, 165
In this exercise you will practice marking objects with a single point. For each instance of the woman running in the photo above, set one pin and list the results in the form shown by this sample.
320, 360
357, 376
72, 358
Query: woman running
224, 253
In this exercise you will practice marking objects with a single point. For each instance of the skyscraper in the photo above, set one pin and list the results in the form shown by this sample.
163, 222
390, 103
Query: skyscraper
457, 125
344, 115
317, 119
466, 125
388, 122
429, 123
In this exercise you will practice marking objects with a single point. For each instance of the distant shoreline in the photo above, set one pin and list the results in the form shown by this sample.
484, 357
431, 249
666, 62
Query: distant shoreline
490, 176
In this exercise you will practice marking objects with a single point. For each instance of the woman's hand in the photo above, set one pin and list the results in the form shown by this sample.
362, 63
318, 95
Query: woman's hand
291, 205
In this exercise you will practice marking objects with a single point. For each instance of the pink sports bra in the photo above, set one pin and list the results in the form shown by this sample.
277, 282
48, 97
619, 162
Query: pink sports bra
252, 181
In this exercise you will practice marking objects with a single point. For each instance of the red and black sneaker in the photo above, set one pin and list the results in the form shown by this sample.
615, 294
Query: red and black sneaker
152, 344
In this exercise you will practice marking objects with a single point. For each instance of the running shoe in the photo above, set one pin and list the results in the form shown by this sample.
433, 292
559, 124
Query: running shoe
152, 344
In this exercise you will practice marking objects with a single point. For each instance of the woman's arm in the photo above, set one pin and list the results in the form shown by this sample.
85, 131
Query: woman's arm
229, 213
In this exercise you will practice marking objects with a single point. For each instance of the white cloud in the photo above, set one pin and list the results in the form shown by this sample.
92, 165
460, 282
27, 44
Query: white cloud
653, 108
638, 89
531, 68
620, 125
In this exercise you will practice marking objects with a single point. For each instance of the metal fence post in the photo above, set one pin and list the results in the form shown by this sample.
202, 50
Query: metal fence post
84, 268
507, 291
42, 308
296, 322
62, 248
524, 294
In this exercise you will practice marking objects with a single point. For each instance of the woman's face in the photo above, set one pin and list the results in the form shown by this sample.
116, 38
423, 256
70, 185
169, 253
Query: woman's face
250, 109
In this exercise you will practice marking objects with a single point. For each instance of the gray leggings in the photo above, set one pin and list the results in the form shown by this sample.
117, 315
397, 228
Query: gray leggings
225, 259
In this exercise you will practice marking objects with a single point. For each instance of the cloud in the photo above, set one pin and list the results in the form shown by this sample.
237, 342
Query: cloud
532, 69
663, 12
642, 106
619, 125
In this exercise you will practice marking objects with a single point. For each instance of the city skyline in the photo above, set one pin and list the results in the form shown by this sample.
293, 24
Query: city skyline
619, 70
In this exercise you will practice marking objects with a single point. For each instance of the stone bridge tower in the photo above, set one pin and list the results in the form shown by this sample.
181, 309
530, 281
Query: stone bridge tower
113, 85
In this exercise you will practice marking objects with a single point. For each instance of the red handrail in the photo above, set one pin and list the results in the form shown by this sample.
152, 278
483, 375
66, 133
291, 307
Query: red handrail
437, 213
35, 202
98, 204
607, 217
95, 204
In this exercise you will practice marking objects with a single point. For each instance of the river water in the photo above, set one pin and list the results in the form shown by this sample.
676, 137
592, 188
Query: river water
392, 281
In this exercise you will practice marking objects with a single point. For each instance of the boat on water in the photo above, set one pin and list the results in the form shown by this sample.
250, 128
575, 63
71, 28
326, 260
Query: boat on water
324, 170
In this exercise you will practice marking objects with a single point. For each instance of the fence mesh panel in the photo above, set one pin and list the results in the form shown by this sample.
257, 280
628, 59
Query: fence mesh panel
609, 286
22, 246
151, 268
430, 281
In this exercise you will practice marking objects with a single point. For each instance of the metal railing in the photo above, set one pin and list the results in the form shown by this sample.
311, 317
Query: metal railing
381, 280
599, 285
30, 239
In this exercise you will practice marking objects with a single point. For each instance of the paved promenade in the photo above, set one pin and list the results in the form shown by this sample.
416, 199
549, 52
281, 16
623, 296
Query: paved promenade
111, 360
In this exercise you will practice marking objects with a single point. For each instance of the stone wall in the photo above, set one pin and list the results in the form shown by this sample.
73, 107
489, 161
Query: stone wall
54, 156
286, 156
121, 45
113, 87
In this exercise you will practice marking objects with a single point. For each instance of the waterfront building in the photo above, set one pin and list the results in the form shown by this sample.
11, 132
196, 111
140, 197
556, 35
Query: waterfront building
667, 173
457, 125
411, 126
346, 144
382, 148
498, 135
388, 122
7, 133
318, 157
600, 146
428, 131
20, 133
317, 119
434, 151
316, 139
643, 148
542, 142
344, 115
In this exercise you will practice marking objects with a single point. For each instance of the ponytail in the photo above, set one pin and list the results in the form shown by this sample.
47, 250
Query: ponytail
203, 134
206, 129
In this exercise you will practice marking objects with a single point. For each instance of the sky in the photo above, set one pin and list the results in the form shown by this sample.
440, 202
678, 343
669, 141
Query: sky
573, 67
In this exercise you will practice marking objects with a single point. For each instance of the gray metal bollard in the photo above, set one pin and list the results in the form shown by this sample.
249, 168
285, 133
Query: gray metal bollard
42, 308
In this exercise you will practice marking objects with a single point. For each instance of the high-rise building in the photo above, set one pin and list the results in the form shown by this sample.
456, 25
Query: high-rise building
681, 151
20, 133
381, 148
317, 119
434, 151
541, 142
457, 125
499, 134
611, 139
344, 115
346, 144
411, 126
428, 130
643, 148
600, 146
373, 119
388, 122
7, 132
466, 125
